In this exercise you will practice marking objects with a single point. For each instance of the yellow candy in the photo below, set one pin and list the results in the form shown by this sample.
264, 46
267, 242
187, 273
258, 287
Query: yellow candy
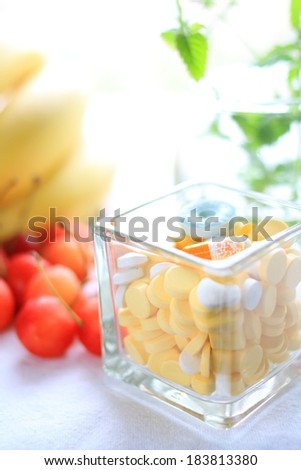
250, 361
272, 227
205, 364
178, 281
196, 344
156, 360
181, 311
203, 385
156, 292
163, 318
159, 344
137, 301
170, 370
135, 350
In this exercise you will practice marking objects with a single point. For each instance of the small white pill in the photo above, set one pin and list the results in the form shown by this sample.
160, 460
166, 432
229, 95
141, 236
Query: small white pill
119, 296
131, 260
125, 277
251, 293
189, 364
159, 268
212, 294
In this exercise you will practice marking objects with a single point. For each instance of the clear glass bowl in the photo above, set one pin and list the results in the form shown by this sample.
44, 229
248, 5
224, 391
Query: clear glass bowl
203, 314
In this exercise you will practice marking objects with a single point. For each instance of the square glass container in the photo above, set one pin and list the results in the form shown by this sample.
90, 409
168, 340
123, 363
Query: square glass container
200, 295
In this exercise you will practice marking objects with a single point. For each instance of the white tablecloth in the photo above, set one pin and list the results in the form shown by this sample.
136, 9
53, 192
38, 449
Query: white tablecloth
65, 404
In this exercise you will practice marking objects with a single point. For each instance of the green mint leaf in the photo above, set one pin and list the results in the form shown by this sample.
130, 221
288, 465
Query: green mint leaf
295, 14
170, 37
192, 47
263, 129
279, 53
195, 27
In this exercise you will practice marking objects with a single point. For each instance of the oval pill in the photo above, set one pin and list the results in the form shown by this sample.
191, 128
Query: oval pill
215, 295
182, 311
159, 268
131, 260
126, 318
125, 277
196, 344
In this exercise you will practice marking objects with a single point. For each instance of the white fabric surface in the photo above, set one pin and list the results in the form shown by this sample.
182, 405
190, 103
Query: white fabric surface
65, 404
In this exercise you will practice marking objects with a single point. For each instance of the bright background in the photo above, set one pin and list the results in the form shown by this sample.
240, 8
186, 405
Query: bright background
144, 110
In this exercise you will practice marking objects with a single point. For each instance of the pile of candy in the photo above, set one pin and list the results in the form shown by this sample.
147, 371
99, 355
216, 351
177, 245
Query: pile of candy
198, 330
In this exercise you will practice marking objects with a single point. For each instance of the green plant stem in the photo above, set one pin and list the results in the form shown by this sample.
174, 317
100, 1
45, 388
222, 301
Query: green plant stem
180, 15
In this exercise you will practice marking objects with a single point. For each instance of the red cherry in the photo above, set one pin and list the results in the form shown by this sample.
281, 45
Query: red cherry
89, 333
19, 244
64, 282
68, 253
45, 327
20, 269
7, 305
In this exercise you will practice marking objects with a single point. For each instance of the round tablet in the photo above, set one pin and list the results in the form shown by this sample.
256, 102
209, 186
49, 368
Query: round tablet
196, 344
178, 281
181, 342
159, 344
272, 266
125, 277
150, 324
137, 301
156, 360
251, 293
250, 361
267, 302
292, 276
182, 311
171, 370
135, 350
126, 318
156, 292
203, 385
131, 260
163, 318
189, 364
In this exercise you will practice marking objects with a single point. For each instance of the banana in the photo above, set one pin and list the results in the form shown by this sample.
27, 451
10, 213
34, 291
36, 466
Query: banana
39, 130
76, 190
17, 66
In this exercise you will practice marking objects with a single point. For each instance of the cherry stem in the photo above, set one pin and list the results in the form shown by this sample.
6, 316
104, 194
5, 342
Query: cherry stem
51, 287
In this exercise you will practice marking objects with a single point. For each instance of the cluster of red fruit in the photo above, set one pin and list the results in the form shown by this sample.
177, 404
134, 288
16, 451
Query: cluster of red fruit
48, 293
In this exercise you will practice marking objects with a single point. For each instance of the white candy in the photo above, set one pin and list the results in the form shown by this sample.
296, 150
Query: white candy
159, 268
131, 260
119, 296
212, 294
125, 277
189, 364
251, 293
